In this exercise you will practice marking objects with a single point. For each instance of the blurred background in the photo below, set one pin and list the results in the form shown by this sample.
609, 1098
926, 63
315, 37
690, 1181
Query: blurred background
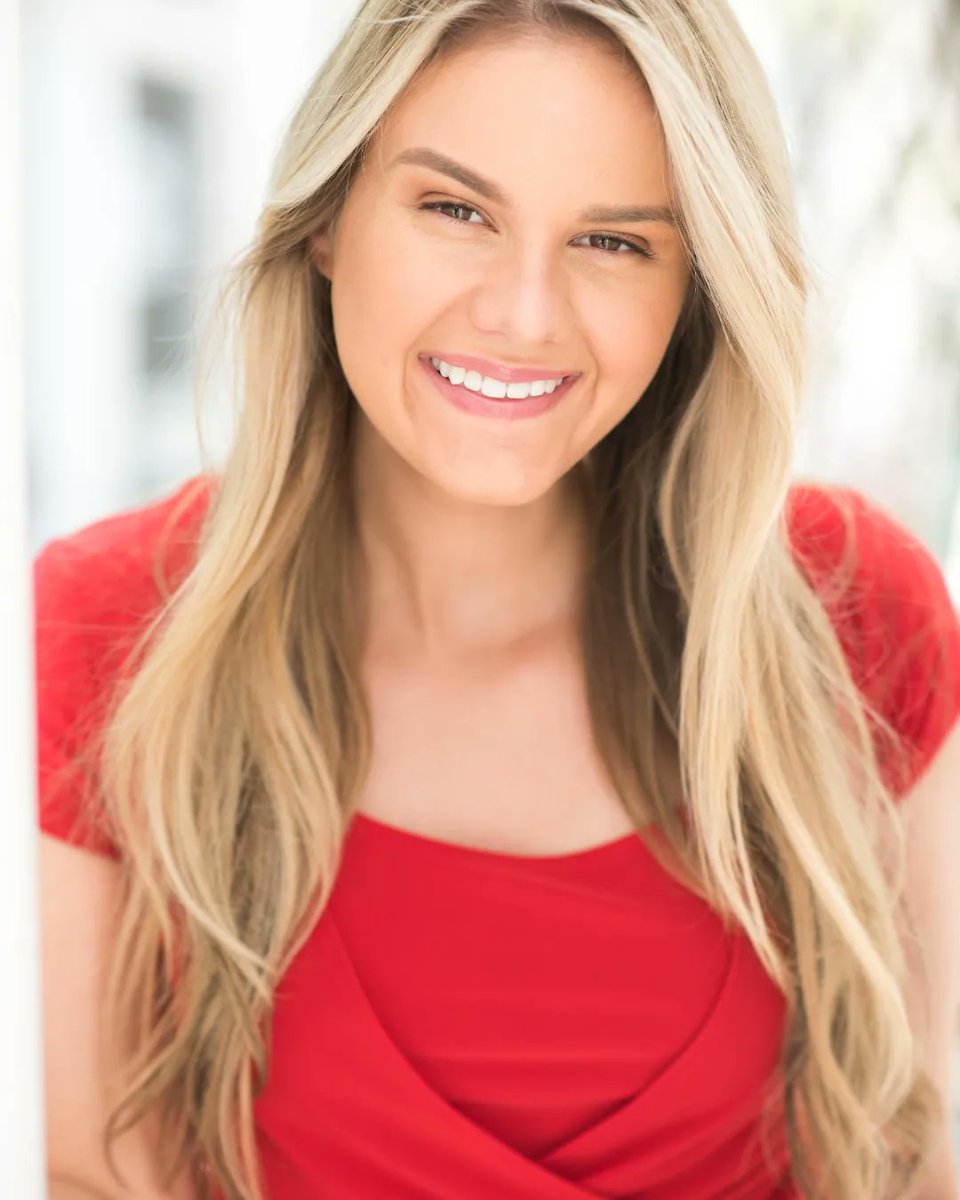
149, 127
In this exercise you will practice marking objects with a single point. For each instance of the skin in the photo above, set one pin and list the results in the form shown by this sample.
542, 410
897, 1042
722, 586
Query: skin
471, 536
931, 815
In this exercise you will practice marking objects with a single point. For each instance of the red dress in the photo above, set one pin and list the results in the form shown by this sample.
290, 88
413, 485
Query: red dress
471, 1025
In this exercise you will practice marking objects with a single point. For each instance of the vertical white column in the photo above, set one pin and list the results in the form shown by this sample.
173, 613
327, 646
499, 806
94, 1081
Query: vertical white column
22, 1152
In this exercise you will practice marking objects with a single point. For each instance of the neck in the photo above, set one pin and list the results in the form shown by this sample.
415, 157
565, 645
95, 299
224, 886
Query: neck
445, 577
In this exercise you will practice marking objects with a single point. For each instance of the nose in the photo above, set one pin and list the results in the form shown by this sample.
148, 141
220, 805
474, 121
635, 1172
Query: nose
522, 302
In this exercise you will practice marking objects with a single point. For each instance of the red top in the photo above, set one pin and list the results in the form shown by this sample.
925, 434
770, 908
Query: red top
477, 1024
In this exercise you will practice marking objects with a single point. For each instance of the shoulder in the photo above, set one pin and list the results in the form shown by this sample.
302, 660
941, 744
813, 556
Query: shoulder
114, 562
834, 525
889, 602
94, 587
94, 590
875, 575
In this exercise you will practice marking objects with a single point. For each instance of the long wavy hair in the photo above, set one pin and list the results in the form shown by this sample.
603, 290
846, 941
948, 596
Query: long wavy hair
233, 755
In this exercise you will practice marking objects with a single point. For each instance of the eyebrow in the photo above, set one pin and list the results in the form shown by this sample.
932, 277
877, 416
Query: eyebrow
425, 157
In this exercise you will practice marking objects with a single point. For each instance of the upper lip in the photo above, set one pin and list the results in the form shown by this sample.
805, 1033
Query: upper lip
495, 370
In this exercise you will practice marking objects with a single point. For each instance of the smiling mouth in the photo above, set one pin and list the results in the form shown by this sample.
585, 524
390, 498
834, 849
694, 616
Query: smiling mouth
500, 408
529, 388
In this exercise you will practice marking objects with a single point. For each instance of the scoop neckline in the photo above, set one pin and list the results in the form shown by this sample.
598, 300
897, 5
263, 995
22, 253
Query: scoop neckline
409, 837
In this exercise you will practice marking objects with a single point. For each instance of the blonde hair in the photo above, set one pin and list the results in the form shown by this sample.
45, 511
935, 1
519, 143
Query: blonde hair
232, 759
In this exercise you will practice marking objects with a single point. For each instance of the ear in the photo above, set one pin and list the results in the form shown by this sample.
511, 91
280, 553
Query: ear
320, 249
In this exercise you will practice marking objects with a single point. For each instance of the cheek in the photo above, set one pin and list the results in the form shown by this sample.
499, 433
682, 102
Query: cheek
633, 337
395, 288
392, 291
388, 295
629, 343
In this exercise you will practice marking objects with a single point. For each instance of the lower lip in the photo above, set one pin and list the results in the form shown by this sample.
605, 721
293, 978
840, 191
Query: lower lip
487, 406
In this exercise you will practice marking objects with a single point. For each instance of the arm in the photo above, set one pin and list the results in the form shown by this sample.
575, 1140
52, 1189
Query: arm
78, 895
60, 1189
931, 812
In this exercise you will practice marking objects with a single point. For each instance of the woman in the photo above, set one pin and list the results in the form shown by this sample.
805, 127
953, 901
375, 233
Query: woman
503, 795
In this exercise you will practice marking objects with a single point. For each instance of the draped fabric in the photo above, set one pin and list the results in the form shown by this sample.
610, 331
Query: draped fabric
468, 1024
509, 1058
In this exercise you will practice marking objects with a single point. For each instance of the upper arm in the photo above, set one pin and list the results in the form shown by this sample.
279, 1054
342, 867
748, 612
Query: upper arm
905, 646
910, 633
79, 892
931, 817
909, 661
91, 593
899, 628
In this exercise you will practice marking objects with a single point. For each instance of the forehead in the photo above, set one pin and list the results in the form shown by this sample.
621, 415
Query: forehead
570, 101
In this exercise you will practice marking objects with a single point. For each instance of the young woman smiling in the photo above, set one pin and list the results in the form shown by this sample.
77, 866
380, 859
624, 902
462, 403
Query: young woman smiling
501, 791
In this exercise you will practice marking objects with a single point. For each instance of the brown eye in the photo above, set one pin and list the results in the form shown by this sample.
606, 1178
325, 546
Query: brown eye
459, 206
438, 205
634, 246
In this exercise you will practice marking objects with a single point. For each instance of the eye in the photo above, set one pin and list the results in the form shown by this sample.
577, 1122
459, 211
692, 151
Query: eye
631, 247
438, 205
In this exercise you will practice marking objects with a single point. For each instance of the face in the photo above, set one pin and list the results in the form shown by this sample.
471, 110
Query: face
495, 255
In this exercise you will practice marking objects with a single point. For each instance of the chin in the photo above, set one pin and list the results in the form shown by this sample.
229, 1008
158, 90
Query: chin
474, 488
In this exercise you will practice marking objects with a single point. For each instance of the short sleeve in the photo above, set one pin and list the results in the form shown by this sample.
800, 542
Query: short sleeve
918, 633
898, 624
96, 591
70, 698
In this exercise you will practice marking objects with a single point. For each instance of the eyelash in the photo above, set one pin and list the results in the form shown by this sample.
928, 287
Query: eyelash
436, 205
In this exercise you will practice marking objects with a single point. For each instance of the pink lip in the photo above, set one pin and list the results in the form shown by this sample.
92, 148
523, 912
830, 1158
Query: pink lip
495, 370
487, 406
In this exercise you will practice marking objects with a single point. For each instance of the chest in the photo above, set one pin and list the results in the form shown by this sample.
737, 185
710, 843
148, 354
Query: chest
497, 756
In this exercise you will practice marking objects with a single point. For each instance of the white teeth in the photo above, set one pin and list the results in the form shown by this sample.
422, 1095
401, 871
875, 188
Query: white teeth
495, 388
